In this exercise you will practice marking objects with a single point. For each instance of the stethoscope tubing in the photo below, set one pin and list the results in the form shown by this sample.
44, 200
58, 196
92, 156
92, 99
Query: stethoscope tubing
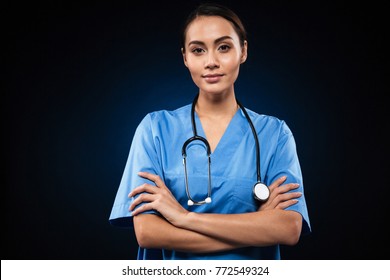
196, 137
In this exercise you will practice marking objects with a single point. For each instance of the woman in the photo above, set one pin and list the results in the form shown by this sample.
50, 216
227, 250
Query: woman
208, 209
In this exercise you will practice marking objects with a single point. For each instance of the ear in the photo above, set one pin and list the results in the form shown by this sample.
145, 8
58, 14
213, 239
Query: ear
184, 57
244, 52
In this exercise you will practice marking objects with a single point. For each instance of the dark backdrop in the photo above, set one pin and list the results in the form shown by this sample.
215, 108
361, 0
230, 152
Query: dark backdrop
78, 78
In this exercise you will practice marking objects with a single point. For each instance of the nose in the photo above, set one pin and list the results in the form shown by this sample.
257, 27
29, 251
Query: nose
211, 61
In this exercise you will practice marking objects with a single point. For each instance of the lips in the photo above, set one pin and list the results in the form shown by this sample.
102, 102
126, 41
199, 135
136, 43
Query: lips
212, 78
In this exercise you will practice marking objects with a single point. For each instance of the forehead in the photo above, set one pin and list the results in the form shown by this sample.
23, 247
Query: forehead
206, 28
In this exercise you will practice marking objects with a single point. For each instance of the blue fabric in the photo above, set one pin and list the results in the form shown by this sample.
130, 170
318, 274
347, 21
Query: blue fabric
156, 148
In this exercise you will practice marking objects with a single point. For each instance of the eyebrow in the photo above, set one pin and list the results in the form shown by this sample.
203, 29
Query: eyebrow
216, 41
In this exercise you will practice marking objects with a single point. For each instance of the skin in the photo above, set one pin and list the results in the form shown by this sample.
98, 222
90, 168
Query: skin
213, 55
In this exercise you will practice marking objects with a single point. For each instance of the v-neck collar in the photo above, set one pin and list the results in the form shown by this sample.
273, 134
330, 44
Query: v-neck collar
232, 135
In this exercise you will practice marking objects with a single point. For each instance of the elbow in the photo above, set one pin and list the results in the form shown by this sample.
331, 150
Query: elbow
294, 228
142, 233
142, 239
293, 237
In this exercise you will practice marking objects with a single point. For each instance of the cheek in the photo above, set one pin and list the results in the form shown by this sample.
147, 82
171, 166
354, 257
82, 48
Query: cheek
195, 68
231, 64
234, 69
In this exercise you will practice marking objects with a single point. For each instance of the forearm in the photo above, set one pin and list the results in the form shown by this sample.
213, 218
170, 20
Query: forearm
262, 228
153, 231
182, 229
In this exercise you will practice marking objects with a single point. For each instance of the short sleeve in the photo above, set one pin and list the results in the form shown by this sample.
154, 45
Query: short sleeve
142, 157
285, 162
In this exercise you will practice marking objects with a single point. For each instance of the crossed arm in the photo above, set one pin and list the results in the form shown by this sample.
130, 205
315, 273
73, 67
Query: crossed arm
181, 230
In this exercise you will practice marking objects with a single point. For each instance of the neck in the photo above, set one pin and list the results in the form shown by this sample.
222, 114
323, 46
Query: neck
216, 106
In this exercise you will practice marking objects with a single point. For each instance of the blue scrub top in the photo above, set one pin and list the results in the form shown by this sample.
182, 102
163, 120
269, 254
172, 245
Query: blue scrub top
157, 146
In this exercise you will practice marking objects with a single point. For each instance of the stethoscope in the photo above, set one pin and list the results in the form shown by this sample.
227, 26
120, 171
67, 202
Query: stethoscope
260, 190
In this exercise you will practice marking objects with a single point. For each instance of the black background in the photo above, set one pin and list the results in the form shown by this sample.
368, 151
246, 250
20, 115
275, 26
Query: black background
78, 78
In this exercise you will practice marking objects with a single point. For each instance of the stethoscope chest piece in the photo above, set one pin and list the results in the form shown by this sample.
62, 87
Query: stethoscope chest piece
261, 191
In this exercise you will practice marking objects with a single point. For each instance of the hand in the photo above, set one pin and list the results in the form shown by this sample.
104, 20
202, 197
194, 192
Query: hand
158, 198
279, 197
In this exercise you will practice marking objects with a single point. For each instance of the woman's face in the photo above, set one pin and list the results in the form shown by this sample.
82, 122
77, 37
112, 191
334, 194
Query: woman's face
213, 54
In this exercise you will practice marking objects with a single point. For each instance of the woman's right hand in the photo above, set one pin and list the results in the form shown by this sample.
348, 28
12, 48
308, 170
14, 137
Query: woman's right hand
280, 197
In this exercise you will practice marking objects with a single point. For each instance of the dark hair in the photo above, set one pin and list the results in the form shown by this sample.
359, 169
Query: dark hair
212, 9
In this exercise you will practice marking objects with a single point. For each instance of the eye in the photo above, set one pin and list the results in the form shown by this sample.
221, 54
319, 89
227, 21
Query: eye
197, 51
224, 48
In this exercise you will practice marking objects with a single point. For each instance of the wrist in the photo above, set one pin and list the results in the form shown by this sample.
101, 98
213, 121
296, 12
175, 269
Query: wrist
187, 220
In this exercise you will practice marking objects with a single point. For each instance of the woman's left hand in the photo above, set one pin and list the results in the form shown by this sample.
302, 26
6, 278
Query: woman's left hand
158, 198
281, 197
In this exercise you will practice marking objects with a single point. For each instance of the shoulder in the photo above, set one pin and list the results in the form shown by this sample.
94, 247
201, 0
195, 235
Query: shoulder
269, 123
162, 118
163, 115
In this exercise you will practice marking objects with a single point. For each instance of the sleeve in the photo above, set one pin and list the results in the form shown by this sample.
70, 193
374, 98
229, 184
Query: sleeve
143, 156
285, 162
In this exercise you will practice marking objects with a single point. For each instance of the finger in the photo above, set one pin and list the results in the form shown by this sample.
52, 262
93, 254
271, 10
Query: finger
143, 188
143, 208
285, 197
285, 188
277, 198
288, 203
288, 196
277, 182
152, 177
145, 197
